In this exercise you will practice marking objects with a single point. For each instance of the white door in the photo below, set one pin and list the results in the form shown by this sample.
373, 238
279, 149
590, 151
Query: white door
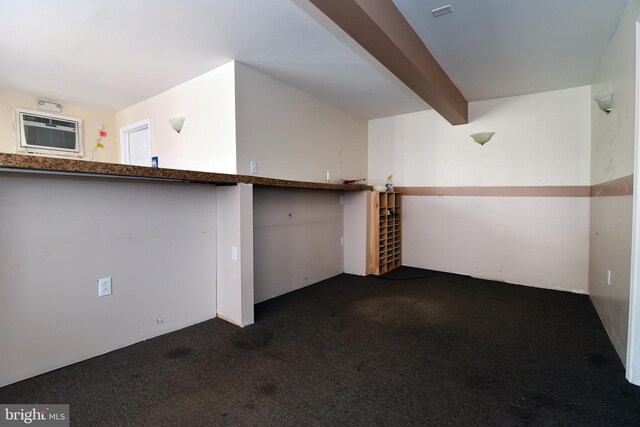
135, 144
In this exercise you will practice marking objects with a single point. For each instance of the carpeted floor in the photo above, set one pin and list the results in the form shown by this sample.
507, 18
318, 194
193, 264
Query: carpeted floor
438, 350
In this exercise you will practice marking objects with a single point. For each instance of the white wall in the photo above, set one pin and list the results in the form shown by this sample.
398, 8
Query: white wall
292, 135
356, 229
291, 252
90, 117
207, 141
59, 235
235, 276
537, 241
612, 141
541, 140
610, 249
612, 157
235, 115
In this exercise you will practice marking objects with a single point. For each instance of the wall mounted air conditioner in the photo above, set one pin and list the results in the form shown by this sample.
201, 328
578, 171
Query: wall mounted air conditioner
46, 133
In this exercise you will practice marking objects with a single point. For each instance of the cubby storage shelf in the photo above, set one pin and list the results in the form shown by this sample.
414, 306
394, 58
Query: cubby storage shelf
385, 239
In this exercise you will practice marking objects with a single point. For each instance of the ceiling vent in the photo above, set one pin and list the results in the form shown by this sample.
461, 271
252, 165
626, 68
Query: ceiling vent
442, 10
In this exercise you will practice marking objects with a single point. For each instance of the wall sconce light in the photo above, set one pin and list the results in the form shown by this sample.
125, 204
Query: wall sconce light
482, 137
177, 123
604, 101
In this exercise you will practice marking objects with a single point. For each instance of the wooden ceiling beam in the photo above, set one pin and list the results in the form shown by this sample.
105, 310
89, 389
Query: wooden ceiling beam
381, 29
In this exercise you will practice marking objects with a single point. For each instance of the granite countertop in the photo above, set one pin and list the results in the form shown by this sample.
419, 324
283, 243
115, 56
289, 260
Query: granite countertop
22, 162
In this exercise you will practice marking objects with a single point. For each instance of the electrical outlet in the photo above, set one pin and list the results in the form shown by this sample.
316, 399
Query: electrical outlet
254, 167
341, 241
609, 277
104, 287
234, 253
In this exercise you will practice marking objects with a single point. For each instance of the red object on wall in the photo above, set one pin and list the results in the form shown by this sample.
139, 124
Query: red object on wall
103, 133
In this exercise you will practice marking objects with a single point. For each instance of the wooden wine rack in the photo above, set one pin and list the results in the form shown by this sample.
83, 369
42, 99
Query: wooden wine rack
385, 240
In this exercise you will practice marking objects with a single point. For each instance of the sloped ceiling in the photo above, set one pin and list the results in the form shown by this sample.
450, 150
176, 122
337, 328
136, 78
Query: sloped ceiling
113, 53
497, 48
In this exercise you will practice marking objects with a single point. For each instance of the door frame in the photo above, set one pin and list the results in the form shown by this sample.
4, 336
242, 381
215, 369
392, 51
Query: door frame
633, 337
124, 138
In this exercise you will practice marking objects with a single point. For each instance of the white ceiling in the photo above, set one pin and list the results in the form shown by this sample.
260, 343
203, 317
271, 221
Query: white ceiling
113, 53
497, 48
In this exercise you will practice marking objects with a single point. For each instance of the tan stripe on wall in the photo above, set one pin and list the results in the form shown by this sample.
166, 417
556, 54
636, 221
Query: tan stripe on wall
618, 187
541, 191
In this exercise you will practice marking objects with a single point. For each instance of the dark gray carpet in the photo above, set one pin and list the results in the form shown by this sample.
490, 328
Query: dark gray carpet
439, 350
